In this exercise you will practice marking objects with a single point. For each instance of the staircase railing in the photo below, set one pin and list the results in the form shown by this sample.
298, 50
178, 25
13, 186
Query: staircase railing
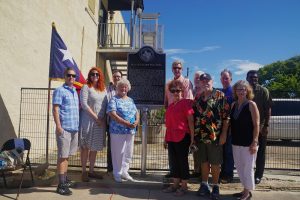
114, 35
117, 35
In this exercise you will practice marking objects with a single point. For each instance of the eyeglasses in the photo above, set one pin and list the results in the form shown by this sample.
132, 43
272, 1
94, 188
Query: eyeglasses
175, 91
71, 75
240, 89
193, 149
179, 68
117, 76
94, 74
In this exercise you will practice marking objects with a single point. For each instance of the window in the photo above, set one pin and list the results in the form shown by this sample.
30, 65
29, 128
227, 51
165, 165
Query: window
285, 107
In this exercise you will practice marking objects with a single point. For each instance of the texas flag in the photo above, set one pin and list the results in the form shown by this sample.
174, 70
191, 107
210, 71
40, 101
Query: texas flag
60, 59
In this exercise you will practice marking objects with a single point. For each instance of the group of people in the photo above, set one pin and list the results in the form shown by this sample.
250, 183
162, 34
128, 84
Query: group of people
223, 128
228, 126
83, 121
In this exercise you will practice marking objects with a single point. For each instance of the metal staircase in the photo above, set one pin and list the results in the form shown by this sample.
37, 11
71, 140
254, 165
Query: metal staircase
119, 65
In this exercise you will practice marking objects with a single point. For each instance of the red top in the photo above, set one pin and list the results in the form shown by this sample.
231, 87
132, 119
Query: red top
177, 120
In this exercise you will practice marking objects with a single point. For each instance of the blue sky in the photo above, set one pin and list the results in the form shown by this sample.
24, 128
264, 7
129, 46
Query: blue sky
240, 35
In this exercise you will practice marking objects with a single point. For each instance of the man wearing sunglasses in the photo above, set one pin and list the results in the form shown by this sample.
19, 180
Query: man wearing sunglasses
187, 93
66, 117
187, 84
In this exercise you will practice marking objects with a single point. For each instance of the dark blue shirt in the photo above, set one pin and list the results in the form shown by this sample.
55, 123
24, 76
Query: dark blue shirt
228, 94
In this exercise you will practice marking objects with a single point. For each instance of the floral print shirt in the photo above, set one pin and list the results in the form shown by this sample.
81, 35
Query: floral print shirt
126, 109
209, 116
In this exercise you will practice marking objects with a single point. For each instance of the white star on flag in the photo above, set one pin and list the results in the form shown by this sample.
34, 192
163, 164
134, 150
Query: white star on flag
67, 55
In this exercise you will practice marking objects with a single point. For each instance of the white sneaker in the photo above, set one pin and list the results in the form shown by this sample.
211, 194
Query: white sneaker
118, 179
127, 177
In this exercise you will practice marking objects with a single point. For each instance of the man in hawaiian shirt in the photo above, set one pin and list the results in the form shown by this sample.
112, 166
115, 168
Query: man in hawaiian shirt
211, 124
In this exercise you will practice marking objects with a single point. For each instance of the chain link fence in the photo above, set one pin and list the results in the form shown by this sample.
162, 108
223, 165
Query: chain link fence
282, 152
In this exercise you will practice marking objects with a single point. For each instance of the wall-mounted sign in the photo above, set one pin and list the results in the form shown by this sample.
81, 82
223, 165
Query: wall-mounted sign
146, 73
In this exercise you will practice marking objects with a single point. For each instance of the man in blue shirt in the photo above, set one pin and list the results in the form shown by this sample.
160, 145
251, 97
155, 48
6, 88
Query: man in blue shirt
226, 175
111, 91
66, 116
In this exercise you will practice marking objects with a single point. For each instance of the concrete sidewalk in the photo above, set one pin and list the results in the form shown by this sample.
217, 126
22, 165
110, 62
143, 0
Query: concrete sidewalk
273, 186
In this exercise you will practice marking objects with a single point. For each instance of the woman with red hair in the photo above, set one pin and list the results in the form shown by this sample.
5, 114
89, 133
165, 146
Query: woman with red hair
93, 99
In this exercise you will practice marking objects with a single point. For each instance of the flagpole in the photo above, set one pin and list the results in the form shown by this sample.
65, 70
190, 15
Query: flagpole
48, 103
81, 52
48, 123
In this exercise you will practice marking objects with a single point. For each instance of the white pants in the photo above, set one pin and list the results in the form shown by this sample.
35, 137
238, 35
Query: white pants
121, 152
244, 163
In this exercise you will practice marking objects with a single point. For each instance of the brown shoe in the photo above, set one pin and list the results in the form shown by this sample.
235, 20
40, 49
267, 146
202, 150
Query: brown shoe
180, 192
84, 177
95, 175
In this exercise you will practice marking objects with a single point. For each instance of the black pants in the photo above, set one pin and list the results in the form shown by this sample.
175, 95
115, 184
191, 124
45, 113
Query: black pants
178, 152
170, 162
227, 166
261, 157
108, 154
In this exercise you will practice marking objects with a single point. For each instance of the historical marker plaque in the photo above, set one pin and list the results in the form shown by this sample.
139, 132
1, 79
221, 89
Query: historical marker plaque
146, 73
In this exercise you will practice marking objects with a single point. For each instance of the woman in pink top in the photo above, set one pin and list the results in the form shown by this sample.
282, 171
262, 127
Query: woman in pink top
179, 136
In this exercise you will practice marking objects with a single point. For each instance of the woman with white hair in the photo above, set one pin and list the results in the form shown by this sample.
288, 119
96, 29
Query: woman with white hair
122, 127
196, 155
197, 84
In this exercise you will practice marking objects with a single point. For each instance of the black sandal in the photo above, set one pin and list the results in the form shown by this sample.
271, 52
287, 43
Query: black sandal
248, 197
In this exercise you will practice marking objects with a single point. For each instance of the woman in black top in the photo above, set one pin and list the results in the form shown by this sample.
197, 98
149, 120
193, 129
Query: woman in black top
244, 130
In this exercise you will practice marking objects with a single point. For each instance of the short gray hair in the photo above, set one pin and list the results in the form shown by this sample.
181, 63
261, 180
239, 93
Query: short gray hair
124, 81
198, 73
177, 62
228, 71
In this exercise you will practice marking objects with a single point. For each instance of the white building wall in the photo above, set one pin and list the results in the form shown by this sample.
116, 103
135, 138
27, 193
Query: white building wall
25, 37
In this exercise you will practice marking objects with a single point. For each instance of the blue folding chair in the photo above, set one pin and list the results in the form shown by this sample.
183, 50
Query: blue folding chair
19, 147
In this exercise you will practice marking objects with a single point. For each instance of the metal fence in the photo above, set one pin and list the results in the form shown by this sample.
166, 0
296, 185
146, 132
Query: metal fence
282, 153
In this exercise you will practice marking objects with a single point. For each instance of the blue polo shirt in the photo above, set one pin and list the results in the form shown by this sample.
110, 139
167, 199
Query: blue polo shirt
228, 94
67, 99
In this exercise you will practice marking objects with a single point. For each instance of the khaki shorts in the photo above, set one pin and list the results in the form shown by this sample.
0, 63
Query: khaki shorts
211, 153
67, 144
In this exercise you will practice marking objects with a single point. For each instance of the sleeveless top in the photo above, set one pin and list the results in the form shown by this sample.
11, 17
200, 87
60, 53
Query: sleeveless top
241, 125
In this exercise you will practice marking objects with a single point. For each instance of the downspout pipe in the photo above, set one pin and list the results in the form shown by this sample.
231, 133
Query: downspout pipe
131, 23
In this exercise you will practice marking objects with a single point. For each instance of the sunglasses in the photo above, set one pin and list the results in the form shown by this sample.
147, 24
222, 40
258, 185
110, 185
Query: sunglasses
179, 68
204, 79
71, 75
94, 74
175, 91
